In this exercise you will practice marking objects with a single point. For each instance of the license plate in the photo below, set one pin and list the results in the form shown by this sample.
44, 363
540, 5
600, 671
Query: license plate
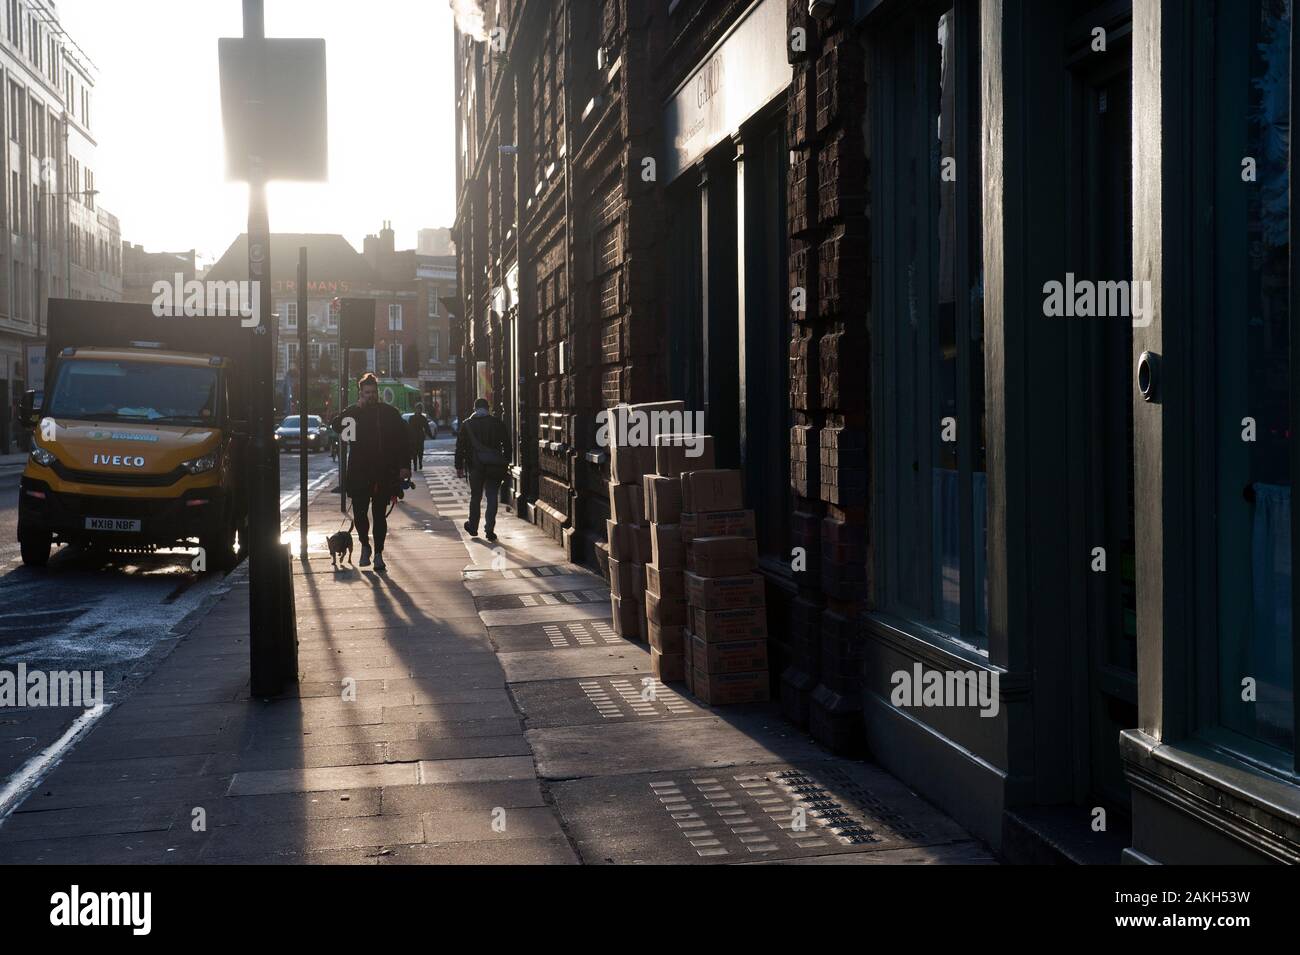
111, 524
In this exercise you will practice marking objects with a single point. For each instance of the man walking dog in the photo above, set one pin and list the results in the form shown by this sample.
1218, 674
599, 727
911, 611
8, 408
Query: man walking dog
379, 455
481, 449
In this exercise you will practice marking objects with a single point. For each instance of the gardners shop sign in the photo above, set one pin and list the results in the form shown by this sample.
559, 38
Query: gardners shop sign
744, 72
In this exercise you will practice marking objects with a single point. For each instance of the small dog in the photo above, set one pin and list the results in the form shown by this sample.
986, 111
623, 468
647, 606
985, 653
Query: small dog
339, 545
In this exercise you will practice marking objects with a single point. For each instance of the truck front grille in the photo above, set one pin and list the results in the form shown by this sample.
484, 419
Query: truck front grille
118, 478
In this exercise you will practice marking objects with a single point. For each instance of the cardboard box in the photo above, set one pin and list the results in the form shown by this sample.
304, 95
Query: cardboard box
717, 524
626, 503
638, 582
667, 639
724, 593
665, 612
740, 656
627, 464
690, 674
621, 582
678, 453
628, 432
668, 584
687, 650
712, 491
719, 689
667, 667
724, 626
622, 426
666, 550
629, 542
722, 556
663, 498
629, 616
642, 628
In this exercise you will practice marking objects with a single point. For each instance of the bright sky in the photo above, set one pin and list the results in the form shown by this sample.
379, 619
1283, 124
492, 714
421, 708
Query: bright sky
157, 117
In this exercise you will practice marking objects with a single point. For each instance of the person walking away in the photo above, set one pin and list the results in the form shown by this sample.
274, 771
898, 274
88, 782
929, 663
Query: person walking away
378, 455
481, 450
419, 427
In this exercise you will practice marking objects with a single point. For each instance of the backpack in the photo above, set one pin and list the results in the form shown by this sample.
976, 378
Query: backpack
490, 459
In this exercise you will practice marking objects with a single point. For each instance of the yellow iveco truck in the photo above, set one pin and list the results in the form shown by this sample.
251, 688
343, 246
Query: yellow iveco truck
142, 438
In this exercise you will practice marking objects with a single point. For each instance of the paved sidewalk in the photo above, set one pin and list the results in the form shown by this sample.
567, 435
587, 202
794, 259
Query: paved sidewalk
455, 712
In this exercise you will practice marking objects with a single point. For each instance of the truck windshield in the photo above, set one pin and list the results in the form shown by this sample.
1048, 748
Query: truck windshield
103, 390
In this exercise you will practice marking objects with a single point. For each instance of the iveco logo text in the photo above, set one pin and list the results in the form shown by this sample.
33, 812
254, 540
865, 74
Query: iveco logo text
118, 460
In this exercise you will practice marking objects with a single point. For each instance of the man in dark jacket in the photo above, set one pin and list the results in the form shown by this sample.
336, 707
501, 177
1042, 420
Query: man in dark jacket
419, 426
379, 452
481, 449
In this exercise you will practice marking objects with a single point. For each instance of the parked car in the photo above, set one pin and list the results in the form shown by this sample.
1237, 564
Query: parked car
319, 436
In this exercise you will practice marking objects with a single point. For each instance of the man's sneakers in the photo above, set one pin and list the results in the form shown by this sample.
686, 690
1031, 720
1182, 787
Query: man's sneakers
380, 566
365, 555
470, 530
491, 537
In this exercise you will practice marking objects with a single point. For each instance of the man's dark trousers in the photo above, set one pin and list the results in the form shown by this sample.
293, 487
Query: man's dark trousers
480, 482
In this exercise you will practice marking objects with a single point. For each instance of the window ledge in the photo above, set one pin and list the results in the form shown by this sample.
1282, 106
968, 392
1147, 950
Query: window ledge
935, 651
1227, 793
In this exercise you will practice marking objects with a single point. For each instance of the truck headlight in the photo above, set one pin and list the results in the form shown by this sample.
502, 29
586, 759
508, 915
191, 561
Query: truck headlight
42, 457
199, 465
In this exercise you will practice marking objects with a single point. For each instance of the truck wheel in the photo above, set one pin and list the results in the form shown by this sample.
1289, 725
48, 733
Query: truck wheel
35, 548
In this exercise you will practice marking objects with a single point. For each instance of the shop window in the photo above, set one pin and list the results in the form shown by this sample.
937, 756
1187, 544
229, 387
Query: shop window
1249, 426
929, 343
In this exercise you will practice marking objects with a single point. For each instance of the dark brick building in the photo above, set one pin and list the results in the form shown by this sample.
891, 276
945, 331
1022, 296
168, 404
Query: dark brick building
832, 226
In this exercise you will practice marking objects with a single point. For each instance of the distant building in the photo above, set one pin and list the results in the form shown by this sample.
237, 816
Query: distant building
434, 242
412, 328
141, 269
437, 277
334, 270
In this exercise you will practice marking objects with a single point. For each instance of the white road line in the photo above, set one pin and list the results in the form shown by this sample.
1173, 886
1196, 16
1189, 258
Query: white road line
289, 500
30, 776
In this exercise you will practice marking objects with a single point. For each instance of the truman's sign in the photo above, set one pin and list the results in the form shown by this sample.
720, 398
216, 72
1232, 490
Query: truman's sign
744, 72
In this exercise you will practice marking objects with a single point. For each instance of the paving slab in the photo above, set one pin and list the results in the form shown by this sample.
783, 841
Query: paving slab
615, 748
259, 782
446, 797
476, 770
601, 700
254, 841
553, 851
610, 660
783, 811
540, 584
565, 635
594, 610
533, 601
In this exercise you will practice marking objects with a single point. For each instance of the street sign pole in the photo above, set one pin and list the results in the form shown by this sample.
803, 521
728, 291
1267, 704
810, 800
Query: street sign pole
344, 370
266, 602
302, 403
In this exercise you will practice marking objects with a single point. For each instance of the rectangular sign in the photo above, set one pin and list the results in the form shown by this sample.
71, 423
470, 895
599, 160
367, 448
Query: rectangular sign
111, 524
744, 72
273, 107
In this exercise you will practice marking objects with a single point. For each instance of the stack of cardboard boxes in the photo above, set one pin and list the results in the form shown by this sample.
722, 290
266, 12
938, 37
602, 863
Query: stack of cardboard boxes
665, 585
631, 455
726, 646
